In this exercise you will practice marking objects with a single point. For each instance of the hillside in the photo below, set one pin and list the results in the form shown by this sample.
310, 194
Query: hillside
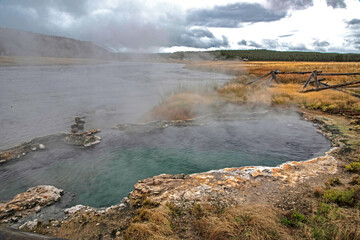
20, 43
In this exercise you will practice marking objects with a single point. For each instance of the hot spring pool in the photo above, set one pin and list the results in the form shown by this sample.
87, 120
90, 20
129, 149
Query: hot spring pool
102, 175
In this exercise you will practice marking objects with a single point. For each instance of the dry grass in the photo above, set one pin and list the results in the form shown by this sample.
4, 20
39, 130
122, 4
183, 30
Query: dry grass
182, 106
187, 105
150, 224
327, 101
208, 222
252, 222
289, 94
261, 68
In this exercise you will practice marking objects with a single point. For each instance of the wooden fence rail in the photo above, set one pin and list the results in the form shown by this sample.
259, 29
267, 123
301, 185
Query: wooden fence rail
319, 85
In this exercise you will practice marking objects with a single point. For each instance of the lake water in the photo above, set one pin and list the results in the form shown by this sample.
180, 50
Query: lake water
43, 100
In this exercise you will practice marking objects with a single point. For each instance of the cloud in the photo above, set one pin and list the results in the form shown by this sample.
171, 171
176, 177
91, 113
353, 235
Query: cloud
298, 47
242, 43
287, 35
232, 15
354, 21
282, 5
271, 43
249, 43
274, 44
197, 38
117, 25
336, 3
353, 38
319, 43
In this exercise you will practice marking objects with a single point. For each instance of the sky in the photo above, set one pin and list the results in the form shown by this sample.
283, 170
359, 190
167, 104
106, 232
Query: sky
196, 25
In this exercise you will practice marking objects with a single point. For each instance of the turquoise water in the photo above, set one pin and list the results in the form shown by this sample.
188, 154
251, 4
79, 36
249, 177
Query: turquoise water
104, 174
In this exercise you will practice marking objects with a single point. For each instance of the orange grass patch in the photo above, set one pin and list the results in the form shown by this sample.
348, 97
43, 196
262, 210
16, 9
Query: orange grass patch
182, 106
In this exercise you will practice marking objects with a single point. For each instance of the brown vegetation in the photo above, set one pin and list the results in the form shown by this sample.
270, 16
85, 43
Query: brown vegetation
183, 106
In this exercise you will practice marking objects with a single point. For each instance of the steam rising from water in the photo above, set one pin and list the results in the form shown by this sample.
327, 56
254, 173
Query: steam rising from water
37, 101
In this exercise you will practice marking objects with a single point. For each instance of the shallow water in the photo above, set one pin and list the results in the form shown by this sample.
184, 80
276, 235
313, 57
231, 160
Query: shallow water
37, 101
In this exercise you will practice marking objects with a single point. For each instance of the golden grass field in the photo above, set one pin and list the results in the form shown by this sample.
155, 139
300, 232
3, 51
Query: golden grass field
185, 105
260, 68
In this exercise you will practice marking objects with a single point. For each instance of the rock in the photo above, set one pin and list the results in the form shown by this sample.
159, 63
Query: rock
86, 139
41, 146
37, 209
55, 223
77, 208
34, 199
29, 225
79, 121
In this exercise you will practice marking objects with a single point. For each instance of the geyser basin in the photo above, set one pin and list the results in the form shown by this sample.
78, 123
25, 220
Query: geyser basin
104, 174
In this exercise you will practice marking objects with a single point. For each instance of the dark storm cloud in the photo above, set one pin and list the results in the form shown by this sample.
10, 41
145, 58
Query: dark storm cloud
232, 15
35, 15
121, 27
290, 4
336, 3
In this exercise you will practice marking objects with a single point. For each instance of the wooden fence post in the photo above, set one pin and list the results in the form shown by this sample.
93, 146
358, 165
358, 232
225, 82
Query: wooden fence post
308, 81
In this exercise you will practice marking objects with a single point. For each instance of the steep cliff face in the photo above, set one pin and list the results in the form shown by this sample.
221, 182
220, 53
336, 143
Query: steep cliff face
20, 43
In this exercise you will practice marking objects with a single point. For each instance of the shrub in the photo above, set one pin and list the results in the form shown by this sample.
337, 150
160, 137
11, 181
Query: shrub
342, 198
334, 181
296, 220
353, 167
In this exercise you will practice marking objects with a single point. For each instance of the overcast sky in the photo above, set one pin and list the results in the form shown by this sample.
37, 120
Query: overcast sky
176, 25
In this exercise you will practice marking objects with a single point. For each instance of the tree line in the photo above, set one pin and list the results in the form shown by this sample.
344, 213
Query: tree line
267, 55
